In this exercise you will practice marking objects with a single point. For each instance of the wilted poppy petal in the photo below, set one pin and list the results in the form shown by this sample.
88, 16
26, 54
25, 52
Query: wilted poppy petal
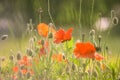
98, 56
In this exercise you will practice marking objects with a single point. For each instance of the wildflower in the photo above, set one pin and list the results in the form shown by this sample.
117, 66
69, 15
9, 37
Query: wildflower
24, 71
15, 69
26, 61
61, 35
43, 29
58, 57
86, 50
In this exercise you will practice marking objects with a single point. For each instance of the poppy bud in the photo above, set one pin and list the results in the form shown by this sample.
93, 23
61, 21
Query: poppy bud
51, 25
3, 59
29, 52
28, 75
92, 32
73, 66
50, 35
34, 38
83, 37
4, 37
115, 20
42, 42
11, 57
18, 56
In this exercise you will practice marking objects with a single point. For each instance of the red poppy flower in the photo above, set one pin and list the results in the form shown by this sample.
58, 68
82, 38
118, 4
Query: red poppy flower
86, 50
43, 29
61, 35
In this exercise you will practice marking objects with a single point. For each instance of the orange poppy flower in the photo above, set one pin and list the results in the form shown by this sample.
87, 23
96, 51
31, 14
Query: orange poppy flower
15, 69
86, 50
58, 57
61, 35
43, 29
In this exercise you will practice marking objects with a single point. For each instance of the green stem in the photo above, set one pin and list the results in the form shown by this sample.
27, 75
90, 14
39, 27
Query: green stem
91, 16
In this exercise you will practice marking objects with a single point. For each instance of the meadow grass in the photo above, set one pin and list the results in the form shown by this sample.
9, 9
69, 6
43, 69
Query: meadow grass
75, 69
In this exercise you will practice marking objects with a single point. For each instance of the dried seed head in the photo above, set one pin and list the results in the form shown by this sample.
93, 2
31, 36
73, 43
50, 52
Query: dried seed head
18, 55
4, 37
29, 52
11, 57
28, 75
115, 21
92, 32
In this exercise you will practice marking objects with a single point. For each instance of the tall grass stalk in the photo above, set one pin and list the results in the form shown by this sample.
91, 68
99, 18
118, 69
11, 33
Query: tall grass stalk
91, 15
80, 17
50, 13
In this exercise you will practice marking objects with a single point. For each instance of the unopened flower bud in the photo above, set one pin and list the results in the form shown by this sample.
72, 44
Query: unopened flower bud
28, 75
29, 52
115, 20
50, 35
92, 32
11, 57
42, 42
18, 56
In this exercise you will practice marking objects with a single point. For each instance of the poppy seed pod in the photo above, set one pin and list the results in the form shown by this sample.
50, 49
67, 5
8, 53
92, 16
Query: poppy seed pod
4, 37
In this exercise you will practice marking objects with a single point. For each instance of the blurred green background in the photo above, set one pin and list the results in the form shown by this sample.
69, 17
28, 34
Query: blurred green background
15, 14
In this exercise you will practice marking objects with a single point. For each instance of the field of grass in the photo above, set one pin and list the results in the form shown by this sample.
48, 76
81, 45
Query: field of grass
38, 60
